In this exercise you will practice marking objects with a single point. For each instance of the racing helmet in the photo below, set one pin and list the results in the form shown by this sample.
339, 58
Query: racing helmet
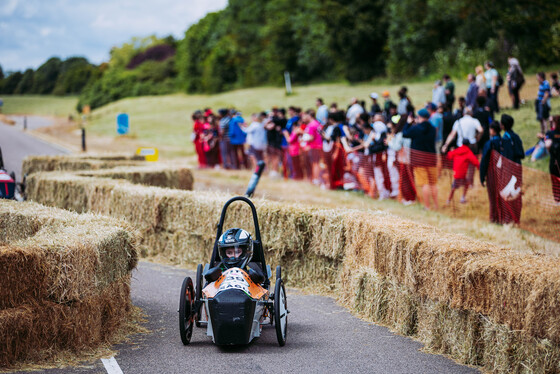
235, 247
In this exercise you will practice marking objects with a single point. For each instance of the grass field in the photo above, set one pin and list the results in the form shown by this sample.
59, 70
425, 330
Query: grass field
55, 106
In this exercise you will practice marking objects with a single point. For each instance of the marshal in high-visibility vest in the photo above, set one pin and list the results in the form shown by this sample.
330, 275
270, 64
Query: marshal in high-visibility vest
151, 154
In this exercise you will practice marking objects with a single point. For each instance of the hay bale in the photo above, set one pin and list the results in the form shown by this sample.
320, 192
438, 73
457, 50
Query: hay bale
34, 332
151, 175
35, 164
65, 279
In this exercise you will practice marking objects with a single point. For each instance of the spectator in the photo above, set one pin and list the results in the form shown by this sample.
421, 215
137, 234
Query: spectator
438, 94
388, 103
197, 138
542, 104
472, 92
436, 119
449, 90
485, 118
480, 80
458, 113
274, 139
293, 138
333, 152
492, 87
423, 156
237, 139
322, 111
225, 146
404, 105
256, 138
402, 145
354, 111
375, 108
515, 81
210, 140
554, 85
462, 158
516, 170
468, 131
333, 108
552, 142
314, 143
488, 170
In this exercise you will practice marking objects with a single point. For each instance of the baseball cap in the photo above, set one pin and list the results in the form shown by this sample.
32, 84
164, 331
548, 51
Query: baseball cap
423, 113
374, 95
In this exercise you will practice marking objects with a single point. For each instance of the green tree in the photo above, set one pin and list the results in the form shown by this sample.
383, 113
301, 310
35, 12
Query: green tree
10, 83
46, 75
26, 83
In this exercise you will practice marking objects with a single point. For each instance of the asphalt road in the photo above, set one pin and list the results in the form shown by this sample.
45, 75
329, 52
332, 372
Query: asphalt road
322, 336
16, 144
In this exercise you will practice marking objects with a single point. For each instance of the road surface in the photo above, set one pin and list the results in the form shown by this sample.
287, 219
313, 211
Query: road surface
322, 336
16, 144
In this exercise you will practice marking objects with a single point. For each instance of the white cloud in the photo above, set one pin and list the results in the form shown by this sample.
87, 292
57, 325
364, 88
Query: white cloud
39, 29
8, 7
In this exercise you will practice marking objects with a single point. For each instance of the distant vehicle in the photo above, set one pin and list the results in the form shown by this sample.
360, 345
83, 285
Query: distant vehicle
232, 297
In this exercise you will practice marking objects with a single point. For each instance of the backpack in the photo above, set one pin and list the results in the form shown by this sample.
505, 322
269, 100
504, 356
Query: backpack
500, 79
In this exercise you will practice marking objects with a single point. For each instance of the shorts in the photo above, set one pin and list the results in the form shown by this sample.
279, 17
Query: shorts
425, 175
314, 155
273, 151
459, 182
256, 153
543, 110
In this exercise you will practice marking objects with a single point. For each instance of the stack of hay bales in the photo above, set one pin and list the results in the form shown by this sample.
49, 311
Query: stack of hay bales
469, 299
34, 164
65, 280
131, 168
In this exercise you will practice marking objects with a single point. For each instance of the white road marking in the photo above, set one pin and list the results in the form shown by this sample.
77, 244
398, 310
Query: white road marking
111, 365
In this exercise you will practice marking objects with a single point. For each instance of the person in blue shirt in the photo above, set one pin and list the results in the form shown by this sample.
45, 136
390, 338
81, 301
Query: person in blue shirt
488, 170
423, 156
237, 140
542, 104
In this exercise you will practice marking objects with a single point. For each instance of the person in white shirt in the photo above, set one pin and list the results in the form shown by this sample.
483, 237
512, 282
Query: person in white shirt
468, 130
354, 111
322, 112
256, 137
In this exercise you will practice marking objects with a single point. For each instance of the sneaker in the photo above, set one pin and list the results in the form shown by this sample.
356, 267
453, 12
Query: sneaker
463, 200
407, 202
448, 202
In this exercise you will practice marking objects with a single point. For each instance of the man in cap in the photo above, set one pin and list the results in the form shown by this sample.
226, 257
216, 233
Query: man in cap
423, 156
387, 105
375, 108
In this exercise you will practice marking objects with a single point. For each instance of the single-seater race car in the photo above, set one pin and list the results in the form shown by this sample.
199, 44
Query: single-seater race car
232, 297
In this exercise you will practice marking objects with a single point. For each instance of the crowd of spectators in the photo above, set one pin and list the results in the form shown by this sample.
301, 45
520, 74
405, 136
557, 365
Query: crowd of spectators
388, 149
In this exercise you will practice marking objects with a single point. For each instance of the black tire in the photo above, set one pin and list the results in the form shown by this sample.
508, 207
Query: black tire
278, 272
280, 312
198, 294
186, 312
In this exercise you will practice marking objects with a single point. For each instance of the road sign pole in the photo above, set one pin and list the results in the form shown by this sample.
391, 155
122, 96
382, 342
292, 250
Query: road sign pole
288, 82
25, 123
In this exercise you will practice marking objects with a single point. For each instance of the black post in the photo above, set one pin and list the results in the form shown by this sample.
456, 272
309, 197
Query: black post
83, 139
25, 123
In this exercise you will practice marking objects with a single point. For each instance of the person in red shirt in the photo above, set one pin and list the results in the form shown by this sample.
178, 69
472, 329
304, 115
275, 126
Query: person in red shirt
197, 138
461, 158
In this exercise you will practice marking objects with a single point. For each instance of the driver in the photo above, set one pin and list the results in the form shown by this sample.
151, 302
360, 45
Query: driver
235, 248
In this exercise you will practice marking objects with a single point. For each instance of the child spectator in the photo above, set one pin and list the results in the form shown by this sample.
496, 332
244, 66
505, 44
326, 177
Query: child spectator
256, 138
461, 158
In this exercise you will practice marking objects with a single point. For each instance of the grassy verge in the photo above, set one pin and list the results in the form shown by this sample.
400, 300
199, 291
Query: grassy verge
57, 106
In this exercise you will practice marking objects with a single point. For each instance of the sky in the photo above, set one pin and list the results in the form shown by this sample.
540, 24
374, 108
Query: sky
32, 31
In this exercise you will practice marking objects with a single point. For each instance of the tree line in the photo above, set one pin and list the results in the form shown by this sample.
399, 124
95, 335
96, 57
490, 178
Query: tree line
252, 43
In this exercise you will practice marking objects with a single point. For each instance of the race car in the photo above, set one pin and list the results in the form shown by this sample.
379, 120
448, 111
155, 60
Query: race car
232, 297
